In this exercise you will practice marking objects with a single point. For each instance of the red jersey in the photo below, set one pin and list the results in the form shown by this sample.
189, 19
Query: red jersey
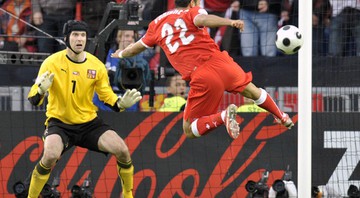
185, 45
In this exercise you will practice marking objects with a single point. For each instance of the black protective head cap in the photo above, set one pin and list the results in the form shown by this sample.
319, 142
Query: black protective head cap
74, 25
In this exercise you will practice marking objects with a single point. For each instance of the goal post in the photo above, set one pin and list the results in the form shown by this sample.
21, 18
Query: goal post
305, 102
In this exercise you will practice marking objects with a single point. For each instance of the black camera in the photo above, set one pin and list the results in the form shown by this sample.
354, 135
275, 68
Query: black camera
50, 191
279, 184
127, 11
258, 189
85, 191
133, 8
21, 189
131, 78
353, 192
279, 188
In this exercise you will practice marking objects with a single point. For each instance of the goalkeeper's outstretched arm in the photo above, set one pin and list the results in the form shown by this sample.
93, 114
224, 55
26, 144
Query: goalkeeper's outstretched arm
127, 100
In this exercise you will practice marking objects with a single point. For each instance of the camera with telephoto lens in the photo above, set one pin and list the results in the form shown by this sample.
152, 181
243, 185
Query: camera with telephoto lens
258, 189
50, 191
133, 8
353, 192
127, 11
21, 189
131, 78
279, 185
85, 191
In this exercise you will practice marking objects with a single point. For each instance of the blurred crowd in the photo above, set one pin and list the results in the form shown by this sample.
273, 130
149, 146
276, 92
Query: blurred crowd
336, 23
336, 26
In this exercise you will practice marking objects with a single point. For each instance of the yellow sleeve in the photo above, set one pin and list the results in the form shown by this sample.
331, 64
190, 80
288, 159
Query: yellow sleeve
103, 88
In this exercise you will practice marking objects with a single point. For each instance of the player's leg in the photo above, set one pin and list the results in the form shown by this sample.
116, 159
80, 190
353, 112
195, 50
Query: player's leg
201, 112
111, 142
98, 136
264, 100
53, 147
203, 125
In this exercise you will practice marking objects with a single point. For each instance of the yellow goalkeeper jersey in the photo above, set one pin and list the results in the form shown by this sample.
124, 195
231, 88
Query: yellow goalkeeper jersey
71, 93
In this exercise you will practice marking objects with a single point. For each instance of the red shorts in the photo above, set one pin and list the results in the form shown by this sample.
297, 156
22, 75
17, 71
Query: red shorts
209, 82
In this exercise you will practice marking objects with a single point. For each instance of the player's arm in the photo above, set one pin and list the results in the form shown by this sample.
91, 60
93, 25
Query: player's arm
131, 50
125, 101
212, 21
42, 84
116, 103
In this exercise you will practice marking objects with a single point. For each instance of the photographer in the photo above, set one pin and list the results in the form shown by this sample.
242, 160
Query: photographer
125, 73
176, 94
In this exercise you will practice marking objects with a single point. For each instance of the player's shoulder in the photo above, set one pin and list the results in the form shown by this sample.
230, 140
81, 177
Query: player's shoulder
93, 61
197, 10
57, 54
55, 57
92, 58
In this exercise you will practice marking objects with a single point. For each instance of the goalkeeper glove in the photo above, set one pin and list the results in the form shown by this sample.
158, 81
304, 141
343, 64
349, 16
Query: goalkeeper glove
128, 99
44, 82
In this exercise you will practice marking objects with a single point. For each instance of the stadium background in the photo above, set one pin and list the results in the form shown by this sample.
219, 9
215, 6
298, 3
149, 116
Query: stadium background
167, 164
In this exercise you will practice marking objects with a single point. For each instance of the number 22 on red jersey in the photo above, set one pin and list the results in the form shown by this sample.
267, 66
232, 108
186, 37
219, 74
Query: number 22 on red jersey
167, 32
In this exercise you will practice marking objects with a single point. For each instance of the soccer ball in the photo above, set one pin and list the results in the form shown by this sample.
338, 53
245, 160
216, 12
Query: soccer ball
289, 39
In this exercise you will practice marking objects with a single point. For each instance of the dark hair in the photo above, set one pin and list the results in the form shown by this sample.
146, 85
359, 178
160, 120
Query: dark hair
182, 3
170, 78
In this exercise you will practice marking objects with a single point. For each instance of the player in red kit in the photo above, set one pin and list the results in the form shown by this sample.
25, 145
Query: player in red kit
183, 36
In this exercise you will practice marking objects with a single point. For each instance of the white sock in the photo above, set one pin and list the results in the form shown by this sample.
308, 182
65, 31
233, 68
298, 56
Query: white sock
223, 115
262, 97
194, 128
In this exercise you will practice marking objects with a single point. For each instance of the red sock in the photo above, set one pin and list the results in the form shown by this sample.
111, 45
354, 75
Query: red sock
266, 102
205, 124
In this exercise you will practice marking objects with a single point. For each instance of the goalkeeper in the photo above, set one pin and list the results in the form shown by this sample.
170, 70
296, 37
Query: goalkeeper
70, 77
